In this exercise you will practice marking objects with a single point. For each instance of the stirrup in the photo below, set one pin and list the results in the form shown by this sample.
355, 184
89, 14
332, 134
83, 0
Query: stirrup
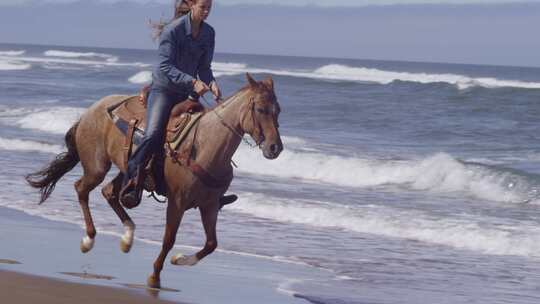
131, 193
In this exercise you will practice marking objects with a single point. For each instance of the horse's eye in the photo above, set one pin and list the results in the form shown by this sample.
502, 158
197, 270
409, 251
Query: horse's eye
262, 111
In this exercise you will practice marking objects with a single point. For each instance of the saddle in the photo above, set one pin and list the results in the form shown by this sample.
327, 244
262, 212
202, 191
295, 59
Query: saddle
129, 116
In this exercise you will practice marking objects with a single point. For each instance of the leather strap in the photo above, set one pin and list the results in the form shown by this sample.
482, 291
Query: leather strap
184, 157
128, 140
206, 177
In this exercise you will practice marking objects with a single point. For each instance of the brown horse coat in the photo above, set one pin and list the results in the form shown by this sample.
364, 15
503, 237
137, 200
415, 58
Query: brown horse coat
97, 144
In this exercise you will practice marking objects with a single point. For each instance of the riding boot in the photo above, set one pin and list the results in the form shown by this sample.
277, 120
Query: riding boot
131, 192
227, 199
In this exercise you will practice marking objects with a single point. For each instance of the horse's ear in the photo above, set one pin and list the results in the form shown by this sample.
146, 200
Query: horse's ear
252, 82
269, 83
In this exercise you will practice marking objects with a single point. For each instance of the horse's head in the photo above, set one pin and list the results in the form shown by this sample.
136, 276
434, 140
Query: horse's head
260, 118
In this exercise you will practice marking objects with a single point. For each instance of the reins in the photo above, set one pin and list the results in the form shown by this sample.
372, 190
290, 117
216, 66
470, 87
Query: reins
233, 130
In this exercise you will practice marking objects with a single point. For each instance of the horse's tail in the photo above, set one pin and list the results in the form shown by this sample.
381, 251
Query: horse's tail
46, 178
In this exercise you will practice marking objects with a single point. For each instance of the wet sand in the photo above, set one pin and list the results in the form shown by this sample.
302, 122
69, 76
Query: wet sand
23, 288
40, 262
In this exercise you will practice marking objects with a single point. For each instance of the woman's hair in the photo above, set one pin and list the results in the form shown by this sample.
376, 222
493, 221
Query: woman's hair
181, 8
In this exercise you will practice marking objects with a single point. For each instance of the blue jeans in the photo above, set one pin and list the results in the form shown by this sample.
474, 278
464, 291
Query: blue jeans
159, 106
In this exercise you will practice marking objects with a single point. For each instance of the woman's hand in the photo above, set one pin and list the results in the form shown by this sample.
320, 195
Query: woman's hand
200, 87
215, 90
143, 95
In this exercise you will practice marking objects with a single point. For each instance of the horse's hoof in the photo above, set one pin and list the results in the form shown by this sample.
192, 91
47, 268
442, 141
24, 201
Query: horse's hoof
152, 282
183, 260
87, 244
126, 241
125, 246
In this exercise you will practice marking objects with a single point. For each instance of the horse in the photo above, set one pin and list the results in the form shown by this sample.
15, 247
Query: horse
97, 143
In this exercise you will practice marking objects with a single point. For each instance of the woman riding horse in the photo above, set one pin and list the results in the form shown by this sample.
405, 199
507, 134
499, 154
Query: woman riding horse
186, 49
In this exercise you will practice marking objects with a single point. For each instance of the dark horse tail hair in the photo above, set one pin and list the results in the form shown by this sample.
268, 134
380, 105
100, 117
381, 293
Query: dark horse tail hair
46, 178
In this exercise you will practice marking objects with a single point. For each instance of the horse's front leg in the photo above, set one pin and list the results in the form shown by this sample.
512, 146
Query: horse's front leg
209, 216
174, 216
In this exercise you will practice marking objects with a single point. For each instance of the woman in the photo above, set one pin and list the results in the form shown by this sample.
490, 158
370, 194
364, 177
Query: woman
186, 49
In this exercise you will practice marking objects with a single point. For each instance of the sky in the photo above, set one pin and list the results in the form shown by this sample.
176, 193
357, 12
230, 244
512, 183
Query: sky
456, 31
326, 3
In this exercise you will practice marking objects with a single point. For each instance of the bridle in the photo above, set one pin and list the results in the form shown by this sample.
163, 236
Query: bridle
260, 138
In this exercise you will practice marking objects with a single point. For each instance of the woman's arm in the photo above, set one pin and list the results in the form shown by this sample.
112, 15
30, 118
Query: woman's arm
167, 52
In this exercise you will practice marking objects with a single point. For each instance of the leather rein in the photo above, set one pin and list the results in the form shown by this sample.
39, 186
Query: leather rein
260, 138
184, 159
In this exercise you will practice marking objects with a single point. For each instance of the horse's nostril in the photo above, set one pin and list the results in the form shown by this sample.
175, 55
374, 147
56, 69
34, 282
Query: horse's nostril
274, 148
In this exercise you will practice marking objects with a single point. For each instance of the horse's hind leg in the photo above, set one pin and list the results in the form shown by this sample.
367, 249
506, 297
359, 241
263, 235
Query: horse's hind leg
110, 192
90, 180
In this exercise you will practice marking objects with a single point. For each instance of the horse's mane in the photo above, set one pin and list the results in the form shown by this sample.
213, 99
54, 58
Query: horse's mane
261, 88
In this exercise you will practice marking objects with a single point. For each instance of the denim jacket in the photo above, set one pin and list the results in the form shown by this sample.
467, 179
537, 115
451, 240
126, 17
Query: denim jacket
182, 57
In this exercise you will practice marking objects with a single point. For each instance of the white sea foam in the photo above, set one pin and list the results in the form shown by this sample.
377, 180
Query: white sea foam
12, 53
28, 146
55, 120
51, 61
219, 68
439, 173
12, 65
142, 77
66, 54
228, 68
294, 141
485, 235
517, 239
340, 72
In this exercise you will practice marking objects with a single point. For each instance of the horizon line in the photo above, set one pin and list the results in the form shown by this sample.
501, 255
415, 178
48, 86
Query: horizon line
294, 56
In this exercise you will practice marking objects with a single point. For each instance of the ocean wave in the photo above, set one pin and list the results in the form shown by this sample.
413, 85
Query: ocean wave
56, 120
440, 173
338, 72
342, 72
28, 146
142, 77
12, 53
11, 65
66, 54
219, 68
516, 239
52, 61
228, 68
485, 235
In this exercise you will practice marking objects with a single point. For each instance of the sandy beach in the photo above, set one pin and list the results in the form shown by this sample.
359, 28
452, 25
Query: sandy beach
40, 260
23, 288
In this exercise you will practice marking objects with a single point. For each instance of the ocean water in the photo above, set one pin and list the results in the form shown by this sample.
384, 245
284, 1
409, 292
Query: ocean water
405, 182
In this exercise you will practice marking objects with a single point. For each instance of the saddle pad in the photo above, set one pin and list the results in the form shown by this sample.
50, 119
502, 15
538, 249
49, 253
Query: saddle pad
178, 126
181, 135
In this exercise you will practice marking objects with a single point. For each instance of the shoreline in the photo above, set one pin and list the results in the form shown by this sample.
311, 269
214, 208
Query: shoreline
41, 251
